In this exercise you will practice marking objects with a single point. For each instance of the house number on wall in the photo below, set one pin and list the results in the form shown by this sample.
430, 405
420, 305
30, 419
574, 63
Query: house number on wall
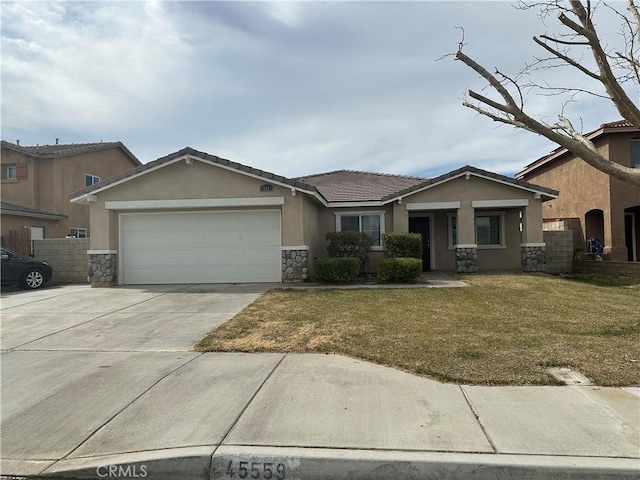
266, 188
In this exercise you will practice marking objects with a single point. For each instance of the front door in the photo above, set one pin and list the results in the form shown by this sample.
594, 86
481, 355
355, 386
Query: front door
421, 225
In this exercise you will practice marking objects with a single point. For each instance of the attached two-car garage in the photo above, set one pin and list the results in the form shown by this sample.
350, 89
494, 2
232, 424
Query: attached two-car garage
200, 247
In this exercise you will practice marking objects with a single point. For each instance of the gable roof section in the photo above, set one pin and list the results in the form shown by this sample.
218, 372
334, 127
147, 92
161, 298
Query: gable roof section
339, 188
355, 186
476, 172
619, 126
66, 150
184, 154
13, 209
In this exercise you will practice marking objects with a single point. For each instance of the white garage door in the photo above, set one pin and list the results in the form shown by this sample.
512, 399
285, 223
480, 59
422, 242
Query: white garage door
202, 247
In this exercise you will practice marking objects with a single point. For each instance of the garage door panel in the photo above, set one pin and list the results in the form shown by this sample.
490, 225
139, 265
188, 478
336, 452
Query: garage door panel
221, 275
172, 240
221, 256
222, 221
222, 238
135, 240
183, 257
144, 224
201, 247
259, 256
259, 273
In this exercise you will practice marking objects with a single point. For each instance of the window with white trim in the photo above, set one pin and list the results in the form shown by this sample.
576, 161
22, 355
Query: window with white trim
635, 153
12, 172
78, 232
489, 230
367, 222
90, 180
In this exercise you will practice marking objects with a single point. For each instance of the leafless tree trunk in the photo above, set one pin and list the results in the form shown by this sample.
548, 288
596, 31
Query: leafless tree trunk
612, 70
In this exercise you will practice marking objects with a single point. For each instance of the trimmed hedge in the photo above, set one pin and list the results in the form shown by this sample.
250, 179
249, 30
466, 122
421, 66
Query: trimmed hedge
402, 245
339, 269
399, 269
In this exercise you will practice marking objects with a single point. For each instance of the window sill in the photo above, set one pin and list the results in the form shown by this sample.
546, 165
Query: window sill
492, 247
10, 180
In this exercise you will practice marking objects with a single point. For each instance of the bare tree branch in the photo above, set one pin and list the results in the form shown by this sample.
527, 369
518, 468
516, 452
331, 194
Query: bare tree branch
581, 34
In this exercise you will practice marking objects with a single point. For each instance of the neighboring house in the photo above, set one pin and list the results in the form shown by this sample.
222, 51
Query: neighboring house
37, 181
593, 203
191, 217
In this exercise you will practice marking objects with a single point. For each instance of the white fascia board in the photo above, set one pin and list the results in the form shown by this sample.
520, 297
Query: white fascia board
194, 203
516, 202
433, 206
85, 199
354, 204
189, 157
464, 174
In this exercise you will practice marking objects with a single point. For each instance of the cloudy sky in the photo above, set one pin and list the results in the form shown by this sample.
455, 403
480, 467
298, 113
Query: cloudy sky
289, 87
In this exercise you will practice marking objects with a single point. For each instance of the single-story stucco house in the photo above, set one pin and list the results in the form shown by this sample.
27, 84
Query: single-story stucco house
191, 217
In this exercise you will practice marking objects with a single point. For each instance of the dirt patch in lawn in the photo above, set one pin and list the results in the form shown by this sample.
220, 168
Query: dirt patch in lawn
502, 329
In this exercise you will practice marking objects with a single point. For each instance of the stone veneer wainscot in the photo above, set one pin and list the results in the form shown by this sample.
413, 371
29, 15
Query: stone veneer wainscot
295, 264
533, 257
102, 268
466, 259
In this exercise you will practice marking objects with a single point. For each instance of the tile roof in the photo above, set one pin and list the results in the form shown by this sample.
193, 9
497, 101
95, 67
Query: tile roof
355, 186
559, 151
64, 150
202, 155
334, 187
477, 171
617, 124
19, 210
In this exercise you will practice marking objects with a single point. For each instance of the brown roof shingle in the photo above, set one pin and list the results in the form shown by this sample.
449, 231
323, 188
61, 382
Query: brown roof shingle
355, 186
64, 150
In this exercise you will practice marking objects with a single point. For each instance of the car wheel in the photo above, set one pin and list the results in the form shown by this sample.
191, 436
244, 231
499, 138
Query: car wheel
32, 279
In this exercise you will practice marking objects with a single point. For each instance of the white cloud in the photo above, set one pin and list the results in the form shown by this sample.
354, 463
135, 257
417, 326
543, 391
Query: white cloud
289, 87
85, 67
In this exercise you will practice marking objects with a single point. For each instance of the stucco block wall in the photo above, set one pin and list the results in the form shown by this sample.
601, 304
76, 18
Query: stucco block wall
559, 251
631, 269
67, 257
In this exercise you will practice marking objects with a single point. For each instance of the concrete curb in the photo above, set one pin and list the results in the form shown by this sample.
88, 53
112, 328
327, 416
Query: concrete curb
294, 463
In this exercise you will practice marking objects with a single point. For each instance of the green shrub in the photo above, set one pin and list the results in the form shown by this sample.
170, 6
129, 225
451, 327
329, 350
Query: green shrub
350, 244
399, 269
340, 269
402, 245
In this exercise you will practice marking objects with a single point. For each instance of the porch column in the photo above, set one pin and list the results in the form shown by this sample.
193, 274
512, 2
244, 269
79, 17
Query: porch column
533, 256
466, 247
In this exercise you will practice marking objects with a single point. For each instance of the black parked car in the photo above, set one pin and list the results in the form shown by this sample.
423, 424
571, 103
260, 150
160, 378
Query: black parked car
26, 271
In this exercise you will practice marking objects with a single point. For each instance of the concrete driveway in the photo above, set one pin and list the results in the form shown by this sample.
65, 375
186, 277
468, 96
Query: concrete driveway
141, 319
102, 379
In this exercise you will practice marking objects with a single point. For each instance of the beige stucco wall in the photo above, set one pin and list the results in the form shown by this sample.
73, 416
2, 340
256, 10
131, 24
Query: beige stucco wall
50, 181
200, 180
584, 188
466, 191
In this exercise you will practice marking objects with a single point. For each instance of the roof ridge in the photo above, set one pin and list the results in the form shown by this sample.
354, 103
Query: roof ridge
380, 174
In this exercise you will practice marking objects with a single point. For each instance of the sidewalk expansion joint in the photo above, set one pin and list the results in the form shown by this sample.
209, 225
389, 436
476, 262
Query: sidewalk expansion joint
237, 419
128, 405
475, 414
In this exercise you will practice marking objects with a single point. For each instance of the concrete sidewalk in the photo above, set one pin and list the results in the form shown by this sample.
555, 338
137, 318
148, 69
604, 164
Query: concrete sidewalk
185, 415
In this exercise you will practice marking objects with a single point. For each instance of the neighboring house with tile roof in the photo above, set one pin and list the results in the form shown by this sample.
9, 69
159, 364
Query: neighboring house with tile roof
592, 203
192, 217
36, 182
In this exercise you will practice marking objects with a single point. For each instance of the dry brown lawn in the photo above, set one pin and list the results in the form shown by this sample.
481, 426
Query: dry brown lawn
501, 329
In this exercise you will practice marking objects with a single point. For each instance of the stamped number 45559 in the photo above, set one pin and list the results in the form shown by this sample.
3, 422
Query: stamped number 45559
257, 470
